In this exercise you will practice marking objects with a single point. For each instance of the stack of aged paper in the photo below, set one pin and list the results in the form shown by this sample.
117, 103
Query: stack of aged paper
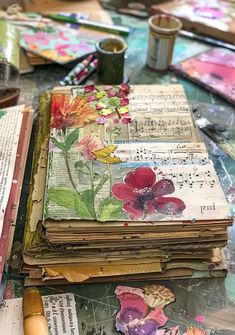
122, 188
15, 132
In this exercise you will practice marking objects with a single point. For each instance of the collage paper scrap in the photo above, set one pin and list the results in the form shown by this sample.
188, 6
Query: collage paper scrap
57, 43
142, 311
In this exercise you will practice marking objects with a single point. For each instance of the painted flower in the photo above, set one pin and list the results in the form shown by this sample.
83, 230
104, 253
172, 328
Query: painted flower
101, 120
143, 194
67, 113
89, 144
135, 317
91, 98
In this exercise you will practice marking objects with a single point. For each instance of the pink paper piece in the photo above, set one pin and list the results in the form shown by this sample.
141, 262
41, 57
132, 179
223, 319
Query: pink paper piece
200, 318
135, 317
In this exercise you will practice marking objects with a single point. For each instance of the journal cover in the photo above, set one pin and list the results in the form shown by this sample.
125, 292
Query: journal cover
214, 18
214, 69
107, 160
16, 126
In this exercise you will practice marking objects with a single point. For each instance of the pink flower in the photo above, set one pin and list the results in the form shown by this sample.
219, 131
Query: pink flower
99, 107
61, 49
111, 94
101, 120
62, 36
107, 87
89, 144
200, 318
142, 194
40, 37
91, 98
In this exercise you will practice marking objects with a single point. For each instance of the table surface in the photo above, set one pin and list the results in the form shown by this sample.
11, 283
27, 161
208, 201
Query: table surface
97, 305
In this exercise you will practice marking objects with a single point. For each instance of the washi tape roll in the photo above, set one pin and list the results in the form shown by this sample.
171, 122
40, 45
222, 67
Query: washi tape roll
163, 30
9, 64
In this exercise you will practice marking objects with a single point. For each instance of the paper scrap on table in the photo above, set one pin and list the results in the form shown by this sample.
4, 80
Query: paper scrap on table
60, 311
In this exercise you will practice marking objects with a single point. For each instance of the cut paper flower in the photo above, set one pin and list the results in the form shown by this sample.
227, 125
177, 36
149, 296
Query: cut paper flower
108, 101
135, 317
143, 194
66, 113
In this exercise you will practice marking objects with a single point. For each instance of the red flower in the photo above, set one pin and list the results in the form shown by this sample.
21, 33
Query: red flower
89, 88
124, 101
125, 87
142, 194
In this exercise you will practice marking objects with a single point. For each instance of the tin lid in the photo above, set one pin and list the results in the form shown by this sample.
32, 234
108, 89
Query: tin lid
111, 46
165, 24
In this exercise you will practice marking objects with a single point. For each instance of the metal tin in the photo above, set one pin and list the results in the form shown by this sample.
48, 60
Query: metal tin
110, 54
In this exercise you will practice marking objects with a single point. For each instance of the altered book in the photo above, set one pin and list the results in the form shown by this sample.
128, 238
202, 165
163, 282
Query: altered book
120, 174
15, 131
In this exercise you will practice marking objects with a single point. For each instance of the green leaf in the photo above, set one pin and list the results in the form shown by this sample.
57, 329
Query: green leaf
71, 138
82, 209
103, 180
88, 199
82, 167
58, 144
70, 199
63, 197
114, 101
110, 209
2, 113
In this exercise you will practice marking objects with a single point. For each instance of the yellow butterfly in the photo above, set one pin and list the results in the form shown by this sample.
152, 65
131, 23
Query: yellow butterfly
104, 155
